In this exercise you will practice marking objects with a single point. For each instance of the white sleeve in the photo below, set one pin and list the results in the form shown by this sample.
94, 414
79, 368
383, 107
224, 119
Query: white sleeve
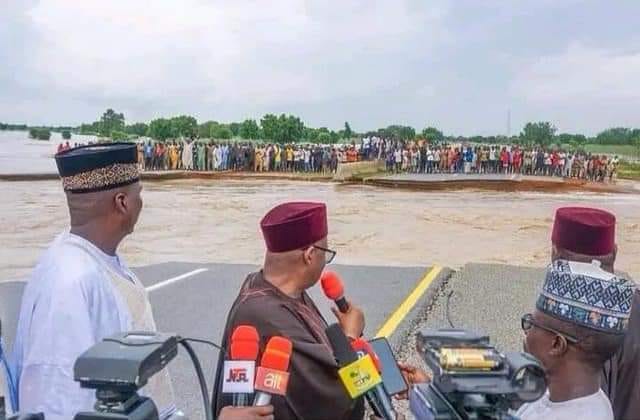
50, 389
61, 330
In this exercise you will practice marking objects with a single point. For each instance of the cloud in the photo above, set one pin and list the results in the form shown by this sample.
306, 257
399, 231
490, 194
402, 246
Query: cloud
581, 73
458, 65
223, 52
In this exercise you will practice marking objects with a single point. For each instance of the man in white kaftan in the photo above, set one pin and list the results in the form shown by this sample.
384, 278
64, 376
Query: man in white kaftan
76, 296
81, 291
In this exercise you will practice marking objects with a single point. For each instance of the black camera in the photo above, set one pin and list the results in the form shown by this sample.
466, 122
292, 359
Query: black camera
472, 380
118, 367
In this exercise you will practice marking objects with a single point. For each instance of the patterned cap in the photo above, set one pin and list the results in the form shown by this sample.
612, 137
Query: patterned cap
586, 295
98, 167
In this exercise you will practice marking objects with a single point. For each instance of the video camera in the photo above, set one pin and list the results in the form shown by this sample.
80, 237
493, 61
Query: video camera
472, 380
118, 367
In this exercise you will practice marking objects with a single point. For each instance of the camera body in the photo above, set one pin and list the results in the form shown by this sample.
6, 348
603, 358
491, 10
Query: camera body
117, 367
472, 379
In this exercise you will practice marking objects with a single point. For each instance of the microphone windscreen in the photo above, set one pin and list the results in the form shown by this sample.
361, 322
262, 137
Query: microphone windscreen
274, 359
280, 344
244, 350
332, 285
245, 333
245, 343
277, 354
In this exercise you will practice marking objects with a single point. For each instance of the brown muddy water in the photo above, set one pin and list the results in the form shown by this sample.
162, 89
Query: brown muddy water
218, 221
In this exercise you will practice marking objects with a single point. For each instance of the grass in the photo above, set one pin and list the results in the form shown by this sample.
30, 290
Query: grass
629, 170
613, 149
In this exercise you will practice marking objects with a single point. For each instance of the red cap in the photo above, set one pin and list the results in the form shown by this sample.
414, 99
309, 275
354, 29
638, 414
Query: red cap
332, 285
294, 225
584, 230
245, 343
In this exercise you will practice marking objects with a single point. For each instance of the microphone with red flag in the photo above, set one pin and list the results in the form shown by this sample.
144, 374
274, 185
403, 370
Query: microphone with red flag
334, 290
272, 375
239, 370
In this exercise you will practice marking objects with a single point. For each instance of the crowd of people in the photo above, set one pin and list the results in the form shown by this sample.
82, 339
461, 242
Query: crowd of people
212, 156
399, 156
503, 160
583, 327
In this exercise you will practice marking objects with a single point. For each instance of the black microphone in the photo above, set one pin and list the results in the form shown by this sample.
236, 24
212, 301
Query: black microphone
359, 375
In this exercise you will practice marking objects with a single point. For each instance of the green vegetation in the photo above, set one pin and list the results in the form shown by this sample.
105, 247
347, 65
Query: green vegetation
629, 170
432, 134
21, 127
249, 129
613, 149
137, 129
538, 133
66, 134
285, 128
40, 133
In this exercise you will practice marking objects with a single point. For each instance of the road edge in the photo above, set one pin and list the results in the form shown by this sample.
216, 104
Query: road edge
426, 297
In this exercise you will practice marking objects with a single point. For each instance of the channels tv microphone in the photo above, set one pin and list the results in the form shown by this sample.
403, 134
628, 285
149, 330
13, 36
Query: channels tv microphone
239, 371
378, 397
334, 290
358, 375
272, 376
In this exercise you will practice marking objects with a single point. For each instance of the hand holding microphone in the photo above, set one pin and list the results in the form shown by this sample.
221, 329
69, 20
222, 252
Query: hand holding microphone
350, 317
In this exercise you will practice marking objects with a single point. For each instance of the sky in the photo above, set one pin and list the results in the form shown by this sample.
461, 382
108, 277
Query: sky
459, 65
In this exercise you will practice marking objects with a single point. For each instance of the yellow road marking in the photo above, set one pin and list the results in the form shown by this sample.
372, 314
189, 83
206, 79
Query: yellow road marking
409, 302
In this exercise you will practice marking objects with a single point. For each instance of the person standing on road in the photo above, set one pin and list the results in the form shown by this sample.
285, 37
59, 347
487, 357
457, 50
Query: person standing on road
275, 301
81, 290
187, 156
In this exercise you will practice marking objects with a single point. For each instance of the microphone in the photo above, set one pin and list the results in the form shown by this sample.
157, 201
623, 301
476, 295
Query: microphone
334, 290
380, 400
272, 376
239, 371
358, 375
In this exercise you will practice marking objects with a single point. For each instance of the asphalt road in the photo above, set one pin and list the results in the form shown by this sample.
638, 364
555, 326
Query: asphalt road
485, 298
196, 306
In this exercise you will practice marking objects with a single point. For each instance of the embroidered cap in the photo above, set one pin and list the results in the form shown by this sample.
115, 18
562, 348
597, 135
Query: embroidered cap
98, 167
586, 295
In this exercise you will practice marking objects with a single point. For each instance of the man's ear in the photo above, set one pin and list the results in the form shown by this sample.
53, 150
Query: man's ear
307, 255
559, 346
121, 203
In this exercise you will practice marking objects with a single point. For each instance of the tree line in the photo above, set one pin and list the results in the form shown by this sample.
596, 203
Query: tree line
285, 128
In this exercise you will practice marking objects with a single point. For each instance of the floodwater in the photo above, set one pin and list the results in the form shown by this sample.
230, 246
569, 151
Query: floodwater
218, 221
19, 154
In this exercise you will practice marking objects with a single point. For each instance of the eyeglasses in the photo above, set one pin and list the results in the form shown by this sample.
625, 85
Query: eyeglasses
329, 254
527, 323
